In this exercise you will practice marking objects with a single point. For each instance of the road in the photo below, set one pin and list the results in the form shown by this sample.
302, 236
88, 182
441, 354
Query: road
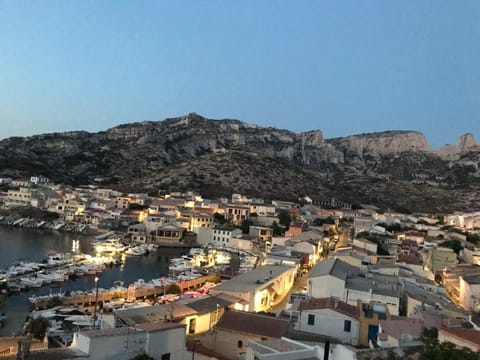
299, 284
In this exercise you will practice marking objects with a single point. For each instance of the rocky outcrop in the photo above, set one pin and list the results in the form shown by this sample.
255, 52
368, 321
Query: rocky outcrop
234, 155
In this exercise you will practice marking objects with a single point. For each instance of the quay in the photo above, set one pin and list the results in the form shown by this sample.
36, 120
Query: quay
131, 294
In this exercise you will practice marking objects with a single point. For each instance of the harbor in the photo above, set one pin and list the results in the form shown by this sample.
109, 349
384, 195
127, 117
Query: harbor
34, 245
102, 270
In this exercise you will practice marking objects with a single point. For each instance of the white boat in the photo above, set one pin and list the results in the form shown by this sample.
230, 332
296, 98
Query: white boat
112, 245
31, 281
137, 250
58, 226
41, 223
105, 236
17, 222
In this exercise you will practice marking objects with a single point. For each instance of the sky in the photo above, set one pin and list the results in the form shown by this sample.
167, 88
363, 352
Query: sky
342, 67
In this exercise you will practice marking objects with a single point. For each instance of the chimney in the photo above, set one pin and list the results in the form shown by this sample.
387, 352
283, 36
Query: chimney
335, 303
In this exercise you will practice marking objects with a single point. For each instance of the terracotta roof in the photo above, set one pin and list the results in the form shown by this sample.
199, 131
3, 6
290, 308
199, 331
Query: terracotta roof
409, 259
415, 233
253, 324
329, 303
396, 328
469, 335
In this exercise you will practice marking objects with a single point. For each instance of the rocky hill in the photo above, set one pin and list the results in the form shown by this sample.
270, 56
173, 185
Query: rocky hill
395, 169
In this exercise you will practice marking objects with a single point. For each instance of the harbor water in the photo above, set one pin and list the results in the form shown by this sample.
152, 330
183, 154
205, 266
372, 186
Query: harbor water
34, 245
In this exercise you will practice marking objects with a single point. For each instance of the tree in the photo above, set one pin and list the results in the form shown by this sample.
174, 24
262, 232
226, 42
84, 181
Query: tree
220, 218
284, 218
38, 327
445, 351
173, 289
277, 229
454, 244
246, 226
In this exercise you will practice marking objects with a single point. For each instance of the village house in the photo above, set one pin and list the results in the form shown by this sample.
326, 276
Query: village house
285, 348
160, 341
222, 235
364, 246
461, 337
329, 317
137, 233
20, 197
200, 220
339, 279
370, 315
260, 288
235, 329
469, 292
199, 314
39, 180
417, 236
262, 209
296, 228
439, 258
377, 290
121, 202
400, 333
262, 233
170, 234
328, 278
236, 214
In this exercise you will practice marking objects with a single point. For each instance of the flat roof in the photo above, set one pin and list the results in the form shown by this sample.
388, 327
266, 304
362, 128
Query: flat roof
149, 314
254, 279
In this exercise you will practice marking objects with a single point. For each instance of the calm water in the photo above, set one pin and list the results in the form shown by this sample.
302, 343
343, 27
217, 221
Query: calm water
34, 245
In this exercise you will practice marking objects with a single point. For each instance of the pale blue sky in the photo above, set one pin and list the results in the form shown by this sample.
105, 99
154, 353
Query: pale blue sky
343, 67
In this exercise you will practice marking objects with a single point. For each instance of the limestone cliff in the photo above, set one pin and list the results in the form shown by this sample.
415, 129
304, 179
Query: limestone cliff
216, 156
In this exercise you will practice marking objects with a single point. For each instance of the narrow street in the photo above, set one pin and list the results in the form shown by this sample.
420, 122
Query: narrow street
298, 286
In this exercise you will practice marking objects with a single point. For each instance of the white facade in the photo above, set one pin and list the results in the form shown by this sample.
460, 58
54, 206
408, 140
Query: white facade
222, 235
329, 322
294, 350
326, 286
39, 180
126, 343
469, 295
241, 244
352, 296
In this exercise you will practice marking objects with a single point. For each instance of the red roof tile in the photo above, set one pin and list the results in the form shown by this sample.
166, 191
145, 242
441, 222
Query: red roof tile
329, 303
253, 324
469, 335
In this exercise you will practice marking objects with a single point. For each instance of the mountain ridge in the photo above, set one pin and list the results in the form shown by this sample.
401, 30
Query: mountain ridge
145, 154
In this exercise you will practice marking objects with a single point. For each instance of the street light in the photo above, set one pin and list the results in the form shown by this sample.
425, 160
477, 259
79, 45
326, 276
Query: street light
96, 301
195, 342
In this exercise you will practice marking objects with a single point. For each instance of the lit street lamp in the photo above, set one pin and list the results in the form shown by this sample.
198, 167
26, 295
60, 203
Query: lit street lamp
96, 301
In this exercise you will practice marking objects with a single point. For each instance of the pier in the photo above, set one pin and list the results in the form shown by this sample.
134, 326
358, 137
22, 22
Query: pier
131, 294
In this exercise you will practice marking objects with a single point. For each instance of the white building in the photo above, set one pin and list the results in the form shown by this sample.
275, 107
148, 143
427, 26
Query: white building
159, 340
39, 180
328, 278
329, 317
284, 348
260, 288
221, 235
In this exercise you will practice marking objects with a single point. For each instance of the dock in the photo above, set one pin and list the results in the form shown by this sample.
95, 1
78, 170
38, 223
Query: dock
131, 294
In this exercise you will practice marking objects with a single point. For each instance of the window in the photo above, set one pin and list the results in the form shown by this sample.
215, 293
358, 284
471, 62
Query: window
166, 356
240, 344
347, 326
311, 319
